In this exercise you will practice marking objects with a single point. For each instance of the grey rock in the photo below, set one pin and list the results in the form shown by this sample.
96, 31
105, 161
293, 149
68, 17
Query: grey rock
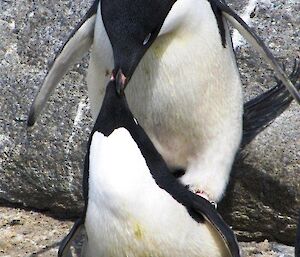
42, 168
266, 248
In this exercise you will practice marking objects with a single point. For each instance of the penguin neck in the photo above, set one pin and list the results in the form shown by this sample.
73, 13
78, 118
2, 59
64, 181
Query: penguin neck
114, 154
114, 112
133, 152
120, 151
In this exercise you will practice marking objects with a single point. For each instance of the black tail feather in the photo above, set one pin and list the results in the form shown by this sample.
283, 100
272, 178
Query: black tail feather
261, 111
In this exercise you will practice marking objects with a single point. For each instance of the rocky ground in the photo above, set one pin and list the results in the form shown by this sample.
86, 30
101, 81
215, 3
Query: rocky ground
26, 233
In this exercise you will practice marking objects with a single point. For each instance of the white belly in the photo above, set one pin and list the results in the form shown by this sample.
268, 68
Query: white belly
114, 232
129, 215
186, 92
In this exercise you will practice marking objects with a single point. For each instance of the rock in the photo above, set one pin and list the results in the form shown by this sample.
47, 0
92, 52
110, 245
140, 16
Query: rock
266, 248
42, 168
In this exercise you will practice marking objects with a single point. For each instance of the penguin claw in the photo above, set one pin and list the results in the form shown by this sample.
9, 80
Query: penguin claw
204, 195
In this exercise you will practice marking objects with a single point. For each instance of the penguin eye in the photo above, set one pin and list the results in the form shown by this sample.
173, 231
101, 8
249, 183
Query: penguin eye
146, 40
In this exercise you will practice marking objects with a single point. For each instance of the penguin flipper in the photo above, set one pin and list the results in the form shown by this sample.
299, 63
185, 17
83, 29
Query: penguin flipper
202, 207
75, 47
238, 23
297, 243
64, 248
262, 110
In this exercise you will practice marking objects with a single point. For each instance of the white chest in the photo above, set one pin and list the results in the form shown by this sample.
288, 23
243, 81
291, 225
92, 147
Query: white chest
183, 67
129, 215
185, 88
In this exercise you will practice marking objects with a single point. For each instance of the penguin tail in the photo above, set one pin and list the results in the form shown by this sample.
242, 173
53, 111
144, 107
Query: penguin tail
262, 110
75, 47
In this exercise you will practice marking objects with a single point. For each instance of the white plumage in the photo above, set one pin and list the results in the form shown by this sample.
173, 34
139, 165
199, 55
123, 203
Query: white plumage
186, 93
129, 215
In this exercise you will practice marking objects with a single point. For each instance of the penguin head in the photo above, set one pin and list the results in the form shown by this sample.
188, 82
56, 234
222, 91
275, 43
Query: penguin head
132, 26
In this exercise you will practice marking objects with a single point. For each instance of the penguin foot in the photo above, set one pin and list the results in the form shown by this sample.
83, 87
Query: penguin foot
210, 188
206, 196
203, 194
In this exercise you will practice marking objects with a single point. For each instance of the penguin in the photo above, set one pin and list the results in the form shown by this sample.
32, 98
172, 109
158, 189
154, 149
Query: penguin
278, 95
133, 204
185, 87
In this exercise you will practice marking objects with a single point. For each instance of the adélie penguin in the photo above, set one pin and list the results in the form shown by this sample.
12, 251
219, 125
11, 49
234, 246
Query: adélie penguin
78, 227
184, 88
133, 205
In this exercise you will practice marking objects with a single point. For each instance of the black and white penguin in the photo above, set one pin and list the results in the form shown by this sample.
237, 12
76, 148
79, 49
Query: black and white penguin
134, 206
184, 88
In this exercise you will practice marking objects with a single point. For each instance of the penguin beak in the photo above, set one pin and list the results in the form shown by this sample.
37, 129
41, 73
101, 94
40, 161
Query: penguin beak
132, 32
125, 65
121, 81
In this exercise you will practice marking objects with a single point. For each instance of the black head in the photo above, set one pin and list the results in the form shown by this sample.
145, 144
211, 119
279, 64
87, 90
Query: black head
132, 26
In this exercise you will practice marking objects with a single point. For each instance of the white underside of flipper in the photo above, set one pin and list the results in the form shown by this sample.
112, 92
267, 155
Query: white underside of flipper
73, 50
186, 93
129, 215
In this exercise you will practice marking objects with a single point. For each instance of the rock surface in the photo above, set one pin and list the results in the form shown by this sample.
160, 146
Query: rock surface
42, 167
28, 234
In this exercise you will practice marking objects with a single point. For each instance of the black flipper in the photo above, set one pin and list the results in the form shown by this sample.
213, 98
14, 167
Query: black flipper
114, 114
78, 43
261, 111
297, 243
64, 248
238, 23
201, 206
